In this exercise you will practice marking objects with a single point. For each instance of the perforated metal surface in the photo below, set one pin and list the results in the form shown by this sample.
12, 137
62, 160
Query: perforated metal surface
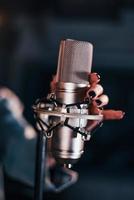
74, 63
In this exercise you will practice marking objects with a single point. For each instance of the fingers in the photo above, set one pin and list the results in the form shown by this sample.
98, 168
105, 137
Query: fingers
94, 78
92, 124
95, 91
102, 100
107, 114
112, 114
98, 100
95, 88
95, 94
94, 110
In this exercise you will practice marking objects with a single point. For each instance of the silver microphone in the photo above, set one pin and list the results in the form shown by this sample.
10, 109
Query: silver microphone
74, 65
63, 117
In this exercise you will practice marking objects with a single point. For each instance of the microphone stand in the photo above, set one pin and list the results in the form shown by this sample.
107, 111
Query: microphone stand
40, 166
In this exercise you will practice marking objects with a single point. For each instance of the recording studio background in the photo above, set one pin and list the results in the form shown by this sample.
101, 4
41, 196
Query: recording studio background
30, 33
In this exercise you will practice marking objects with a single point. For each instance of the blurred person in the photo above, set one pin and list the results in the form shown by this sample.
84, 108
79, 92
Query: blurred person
18, 137
18, 141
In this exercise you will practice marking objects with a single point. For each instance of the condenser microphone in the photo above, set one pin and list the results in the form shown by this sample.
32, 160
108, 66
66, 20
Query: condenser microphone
74, 65
63, 117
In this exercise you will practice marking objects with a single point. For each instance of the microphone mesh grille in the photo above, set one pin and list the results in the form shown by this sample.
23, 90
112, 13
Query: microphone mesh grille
74, 63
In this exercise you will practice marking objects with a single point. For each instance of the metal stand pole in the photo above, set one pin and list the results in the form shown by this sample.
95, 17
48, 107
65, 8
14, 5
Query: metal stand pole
40, 167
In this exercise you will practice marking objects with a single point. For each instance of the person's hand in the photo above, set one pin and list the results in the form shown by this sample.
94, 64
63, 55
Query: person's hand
98, 101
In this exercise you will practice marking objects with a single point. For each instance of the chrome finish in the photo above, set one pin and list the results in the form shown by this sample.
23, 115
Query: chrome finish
75, 60
74, 65
69, 93
65, 145
45, 113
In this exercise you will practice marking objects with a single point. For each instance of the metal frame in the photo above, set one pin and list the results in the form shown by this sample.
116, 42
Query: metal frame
43, 134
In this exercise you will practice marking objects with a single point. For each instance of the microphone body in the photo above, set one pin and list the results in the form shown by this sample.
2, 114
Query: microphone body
74, 64
64, 115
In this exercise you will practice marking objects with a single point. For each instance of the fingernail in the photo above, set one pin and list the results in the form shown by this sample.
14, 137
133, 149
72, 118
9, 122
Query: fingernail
123, 113
98, 102
98, 76
92, 94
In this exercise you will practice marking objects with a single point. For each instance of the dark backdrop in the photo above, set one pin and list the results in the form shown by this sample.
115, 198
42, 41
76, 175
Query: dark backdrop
30, 32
